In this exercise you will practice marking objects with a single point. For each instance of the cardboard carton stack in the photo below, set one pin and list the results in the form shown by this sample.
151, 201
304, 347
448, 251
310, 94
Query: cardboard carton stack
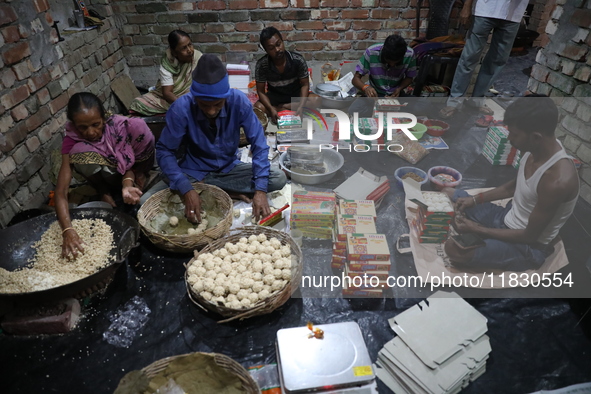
497, 149
313, 213
368, 265
434, 215
433, 353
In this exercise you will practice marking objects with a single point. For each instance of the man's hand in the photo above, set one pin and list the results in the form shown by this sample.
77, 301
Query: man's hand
463, 203
299, 110
396, 93
131, 195
370, 92
192, 202
465, 15
260, 205
274, 115
464, 225
72, 244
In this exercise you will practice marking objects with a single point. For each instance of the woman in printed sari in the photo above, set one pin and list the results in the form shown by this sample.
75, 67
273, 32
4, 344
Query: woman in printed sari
176, 67
114, 154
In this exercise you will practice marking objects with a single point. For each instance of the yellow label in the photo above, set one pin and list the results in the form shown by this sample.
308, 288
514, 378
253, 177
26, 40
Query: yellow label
362, 371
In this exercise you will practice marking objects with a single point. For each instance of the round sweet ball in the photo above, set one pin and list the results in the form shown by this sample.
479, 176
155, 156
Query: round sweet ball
173, 221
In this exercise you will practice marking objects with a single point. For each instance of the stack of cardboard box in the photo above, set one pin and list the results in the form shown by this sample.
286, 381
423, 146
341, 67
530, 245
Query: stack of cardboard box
497, 149
434, 215
313, 213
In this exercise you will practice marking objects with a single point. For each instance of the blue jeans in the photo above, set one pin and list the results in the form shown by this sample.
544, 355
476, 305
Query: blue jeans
504, 33
237, 180
501, 255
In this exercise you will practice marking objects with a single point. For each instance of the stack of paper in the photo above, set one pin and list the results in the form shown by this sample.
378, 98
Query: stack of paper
441, 347
313, 213
497, 149
238, 76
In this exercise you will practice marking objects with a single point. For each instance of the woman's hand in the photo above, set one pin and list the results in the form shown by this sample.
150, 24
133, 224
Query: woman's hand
72, 244
192, 202
131, 195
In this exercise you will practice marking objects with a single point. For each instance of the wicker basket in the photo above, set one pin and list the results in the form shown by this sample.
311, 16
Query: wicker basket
224, 362
262, 117
262, 307
185, 243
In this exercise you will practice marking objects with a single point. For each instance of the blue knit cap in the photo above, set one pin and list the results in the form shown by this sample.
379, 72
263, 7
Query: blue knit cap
210, 79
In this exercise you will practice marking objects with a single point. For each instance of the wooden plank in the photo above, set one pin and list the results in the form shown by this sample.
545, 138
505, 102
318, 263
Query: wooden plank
125, 90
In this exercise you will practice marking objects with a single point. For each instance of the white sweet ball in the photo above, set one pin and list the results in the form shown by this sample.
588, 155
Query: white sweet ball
261, 238
276, 255
217, 260
219, 291
231, 248
243, 247
198, 286
257, 276
253, 297
269, 250
246, 283
231, 297
234, 288
286, 274
192, 279
197, 263
209, 265
267, 287
257, 286
240, 268
201, 271
211, 274
279, 264
207, 295
256, 265
235, 305
268, 269
266, 243
228, 258
246, 274
285, 251
265, 258
192, 270
255, 243
243, 240
277, 285
269, 279
275, 243
237, 256
208, 284
216, 253
191, 231
251, 248
242, 293
223, 253
173, 221
263, 294
245, 302
226, 268
252, 238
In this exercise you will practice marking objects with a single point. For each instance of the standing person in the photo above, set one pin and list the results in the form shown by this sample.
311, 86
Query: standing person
500, 17
521, 235
208, 122
176, 67
113, 153
391, 67
285, 73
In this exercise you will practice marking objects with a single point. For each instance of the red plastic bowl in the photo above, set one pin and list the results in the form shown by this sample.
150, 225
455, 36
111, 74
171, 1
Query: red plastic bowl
435, 122
433, 171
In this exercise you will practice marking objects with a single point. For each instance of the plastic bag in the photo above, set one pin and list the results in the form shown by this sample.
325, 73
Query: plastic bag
412, 151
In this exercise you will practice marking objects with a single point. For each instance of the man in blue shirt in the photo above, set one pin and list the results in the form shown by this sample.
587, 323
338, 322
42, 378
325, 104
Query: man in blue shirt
207, 121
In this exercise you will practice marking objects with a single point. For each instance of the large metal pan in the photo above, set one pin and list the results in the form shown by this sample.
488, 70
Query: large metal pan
16, 250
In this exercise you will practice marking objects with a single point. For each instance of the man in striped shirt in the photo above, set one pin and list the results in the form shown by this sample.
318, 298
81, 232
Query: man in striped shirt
284, 72
391, 67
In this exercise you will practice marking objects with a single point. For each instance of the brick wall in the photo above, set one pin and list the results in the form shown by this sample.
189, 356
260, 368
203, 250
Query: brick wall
563, 70
322, 30
38, 75
539, 20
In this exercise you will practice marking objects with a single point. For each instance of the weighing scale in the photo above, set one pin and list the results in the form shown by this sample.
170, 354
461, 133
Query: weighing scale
337, 363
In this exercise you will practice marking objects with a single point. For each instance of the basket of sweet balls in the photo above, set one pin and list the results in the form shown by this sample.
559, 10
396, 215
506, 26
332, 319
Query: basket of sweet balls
163, 221
250, 272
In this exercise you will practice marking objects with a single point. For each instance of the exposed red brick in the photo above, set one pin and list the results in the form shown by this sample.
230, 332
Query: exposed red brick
325, 14
37, 119
41, 5
573, 51
182, 6
357, 35
310, 25
364, 3
43, 96
204, 37
11, 34
367, 25
243, 4
58, 103
581, 17
273, 3
328, 35
388, 14
36, 82
401, 24
281, 26
211, 5
309, 46
338, 46
300, 36
19, 112
334, 3
244, 47
16, 53
127, 41
7, 77
7, 14
355, 14
248, 26
15, 96
23, 31
337, 25
305, 3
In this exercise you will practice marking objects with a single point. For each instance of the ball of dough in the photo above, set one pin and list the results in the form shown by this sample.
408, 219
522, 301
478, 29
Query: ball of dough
173, 221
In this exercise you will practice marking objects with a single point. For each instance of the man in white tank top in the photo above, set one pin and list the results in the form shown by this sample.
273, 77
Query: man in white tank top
520, 236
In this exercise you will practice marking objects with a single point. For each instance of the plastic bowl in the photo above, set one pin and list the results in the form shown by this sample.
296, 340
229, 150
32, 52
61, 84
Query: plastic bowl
333, 160
436, 132
434, 171
418, 130
402, 171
